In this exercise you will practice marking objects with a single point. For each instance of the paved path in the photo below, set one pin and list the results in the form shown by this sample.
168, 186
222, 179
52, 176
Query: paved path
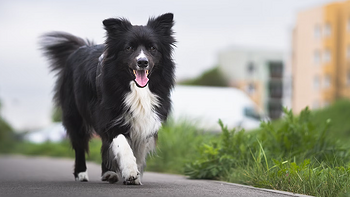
47, 177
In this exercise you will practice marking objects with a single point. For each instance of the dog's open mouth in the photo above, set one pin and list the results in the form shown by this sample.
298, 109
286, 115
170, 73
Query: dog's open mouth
141, 77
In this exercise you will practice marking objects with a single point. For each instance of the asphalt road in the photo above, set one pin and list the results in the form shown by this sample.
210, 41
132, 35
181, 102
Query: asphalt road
47, 177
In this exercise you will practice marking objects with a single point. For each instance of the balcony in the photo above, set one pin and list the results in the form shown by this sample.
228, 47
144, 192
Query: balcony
276, 69
275, 89
275, 109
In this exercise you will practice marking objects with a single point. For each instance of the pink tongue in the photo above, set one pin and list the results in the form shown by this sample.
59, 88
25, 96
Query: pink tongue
141, 78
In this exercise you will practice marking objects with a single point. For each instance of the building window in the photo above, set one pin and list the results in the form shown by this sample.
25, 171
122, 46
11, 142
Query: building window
276, 69
348, 24
316, 83
317, 57
348, 52
317, 31
327, 56
276, 89
327, 30
327, 81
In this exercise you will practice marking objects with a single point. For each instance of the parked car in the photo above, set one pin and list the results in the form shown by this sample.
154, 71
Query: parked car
204, 106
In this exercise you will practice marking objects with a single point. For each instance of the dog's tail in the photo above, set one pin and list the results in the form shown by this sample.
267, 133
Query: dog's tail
57, 46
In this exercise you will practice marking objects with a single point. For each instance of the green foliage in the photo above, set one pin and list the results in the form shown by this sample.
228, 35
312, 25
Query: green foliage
56, 149
339, 113
219, 156
300, 138
177, 144
61, 149
6, 131
212, 77
294, 155
310, 178
7, 135
57, 114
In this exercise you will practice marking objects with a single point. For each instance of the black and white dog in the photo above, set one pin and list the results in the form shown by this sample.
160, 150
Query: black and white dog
119, 89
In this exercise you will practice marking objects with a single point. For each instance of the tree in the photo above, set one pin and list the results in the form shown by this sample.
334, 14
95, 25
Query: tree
7, 136
211, 77
56, 115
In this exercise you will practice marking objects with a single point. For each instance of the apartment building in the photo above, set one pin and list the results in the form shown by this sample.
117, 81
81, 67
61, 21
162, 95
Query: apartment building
321, 56
260, 73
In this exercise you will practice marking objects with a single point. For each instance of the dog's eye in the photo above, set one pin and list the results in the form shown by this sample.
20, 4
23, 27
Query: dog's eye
152, 48
129, 48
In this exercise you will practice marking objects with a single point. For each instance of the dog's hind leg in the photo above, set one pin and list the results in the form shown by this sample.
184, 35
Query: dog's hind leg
79, 136
109, 175
110, 171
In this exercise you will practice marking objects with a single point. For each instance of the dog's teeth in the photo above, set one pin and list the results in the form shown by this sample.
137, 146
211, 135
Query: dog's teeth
146, 72
134, 72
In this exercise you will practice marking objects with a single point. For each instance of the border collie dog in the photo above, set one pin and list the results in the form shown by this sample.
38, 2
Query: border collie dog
119, 90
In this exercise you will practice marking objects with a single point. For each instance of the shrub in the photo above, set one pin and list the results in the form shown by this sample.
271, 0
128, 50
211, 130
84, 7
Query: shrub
7, 136
211, 77
294, 154
177, 144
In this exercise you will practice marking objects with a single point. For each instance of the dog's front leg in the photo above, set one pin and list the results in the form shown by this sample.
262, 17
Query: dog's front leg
124, 155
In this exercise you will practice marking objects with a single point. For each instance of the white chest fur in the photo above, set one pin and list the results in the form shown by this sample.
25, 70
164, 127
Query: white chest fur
141, 117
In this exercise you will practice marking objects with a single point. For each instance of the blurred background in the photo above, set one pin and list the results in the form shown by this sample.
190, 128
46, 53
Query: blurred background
279, 70
252, 43
241, 62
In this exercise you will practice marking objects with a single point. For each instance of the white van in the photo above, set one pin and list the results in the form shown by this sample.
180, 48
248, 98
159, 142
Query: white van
204, 106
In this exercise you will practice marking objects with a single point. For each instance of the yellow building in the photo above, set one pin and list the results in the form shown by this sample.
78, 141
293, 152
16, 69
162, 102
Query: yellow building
321, 56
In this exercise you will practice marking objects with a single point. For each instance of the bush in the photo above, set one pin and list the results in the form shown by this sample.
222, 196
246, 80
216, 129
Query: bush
212, 77
7, 136
218, 157
293, 155
177, 144
339, 113
300, 138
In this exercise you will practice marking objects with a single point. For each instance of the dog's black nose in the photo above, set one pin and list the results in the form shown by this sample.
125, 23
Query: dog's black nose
142, 62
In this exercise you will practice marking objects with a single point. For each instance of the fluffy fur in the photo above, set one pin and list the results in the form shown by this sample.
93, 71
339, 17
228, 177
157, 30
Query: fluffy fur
119, 89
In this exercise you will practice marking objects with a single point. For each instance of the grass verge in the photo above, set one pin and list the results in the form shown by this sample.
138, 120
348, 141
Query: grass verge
295, 155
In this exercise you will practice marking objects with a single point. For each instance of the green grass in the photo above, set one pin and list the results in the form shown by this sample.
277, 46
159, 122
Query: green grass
295, 155
339, 113
7, 136
176, 146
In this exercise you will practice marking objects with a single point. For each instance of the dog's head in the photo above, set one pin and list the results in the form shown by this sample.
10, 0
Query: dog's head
138, 50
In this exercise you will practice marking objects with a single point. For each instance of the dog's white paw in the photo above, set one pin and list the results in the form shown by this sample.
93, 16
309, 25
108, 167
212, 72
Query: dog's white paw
131, 175
110, 176
82, 177
126, 160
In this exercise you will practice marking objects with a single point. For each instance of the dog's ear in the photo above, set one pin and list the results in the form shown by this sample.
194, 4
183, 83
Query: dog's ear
116, 25
162, 24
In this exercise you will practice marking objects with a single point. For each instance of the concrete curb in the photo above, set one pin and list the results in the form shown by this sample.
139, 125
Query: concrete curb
234, 184
263, 189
